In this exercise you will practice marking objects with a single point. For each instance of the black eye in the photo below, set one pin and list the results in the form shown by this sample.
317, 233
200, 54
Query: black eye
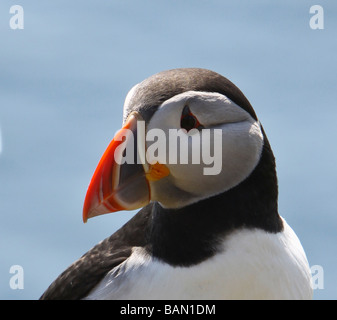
188, 120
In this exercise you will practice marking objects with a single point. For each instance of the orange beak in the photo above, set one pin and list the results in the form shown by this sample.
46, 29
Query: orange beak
119, 181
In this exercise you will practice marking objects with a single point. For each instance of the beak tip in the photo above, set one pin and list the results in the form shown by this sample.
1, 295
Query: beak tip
85, 215
96, 209
86, 210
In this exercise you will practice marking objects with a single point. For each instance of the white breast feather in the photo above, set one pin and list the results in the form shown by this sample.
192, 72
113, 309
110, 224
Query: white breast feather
254, 264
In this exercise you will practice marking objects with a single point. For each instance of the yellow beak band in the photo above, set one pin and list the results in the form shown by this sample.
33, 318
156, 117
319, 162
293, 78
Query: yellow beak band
157, 171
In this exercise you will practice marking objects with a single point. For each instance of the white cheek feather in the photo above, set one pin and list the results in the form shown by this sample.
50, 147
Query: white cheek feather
230, 163
254, 264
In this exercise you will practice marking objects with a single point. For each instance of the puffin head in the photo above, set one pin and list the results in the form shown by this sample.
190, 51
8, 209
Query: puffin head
188, 135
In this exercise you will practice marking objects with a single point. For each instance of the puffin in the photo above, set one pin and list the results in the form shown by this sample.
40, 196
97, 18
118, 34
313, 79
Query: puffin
194, 158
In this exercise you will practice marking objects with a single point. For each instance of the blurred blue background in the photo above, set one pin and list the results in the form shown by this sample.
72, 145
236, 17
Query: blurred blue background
63, 80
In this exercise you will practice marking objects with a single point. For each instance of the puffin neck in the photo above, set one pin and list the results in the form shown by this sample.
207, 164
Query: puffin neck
189, 235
